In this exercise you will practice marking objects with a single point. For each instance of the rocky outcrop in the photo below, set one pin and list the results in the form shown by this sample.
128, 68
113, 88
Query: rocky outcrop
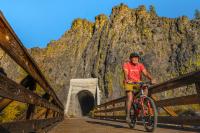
170, 47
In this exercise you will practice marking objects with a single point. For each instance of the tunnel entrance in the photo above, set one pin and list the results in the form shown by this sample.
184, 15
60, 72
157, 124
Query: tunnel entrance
86, 101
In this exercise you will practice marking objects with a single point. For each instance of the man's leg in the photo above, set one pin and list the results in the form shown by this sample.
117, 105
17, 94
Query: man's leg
145, 91
129, 101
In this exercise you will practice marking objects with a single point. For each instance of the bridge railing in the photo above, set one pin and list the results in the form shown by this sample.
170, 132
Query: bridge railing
115, 109
42, 110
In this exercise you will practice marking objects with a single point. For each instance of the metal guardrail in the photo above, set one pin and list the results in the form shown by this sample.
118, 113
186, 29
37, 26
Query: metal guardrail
110, 110
29, 121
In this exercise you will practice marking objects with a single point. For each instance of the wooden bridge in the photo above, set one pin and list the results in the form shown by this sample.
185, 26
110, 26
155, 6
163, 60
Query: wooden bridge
108, 117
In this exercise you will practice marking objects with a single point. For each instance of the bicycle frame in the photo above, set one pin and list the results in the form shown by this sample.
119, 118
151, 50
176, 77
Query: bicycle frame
143, 107
139, 101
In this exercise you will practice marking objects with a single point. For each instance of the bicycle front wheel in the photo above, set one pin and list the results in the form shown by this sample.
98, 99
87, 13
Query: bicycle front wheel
149, 114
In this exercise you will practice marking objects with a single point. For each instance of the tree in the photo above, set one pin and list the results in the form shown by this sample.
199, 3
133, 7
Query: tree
152, 10
197, 14
142, 8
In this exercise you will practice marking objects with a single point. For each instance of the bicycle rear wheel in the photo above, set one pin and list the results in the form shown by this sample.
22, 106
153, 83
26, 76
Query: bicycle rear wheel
150, 114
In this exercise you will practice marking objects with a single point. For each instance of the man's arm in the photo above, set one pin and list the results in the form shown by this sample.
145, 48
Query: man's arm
148, 75
126, 74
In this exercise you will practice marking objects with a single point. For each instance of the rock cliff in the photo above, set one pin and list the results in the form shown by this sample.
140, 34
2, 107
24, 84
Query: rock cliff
169, 47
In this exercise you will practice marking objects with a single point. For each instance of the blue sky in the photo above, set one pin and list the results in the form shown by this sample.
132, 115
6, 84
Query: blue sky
37, 22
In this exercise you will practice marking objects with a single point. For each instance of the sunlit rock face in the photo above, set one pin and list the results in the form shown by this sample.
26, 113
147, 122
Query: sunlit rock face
169, 47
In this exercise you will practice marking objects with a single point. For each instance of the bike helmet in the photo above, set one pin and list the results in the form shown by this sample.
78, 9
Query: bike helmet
134, 54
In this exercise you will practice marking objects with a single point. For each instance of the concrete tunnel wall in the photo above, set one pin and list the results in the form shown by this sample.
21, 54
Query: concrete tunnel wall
83, 95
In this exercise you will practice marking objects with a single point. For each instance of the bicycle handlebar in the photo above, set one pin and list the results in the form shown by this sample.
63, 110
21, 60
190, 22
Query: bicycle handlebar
141, 83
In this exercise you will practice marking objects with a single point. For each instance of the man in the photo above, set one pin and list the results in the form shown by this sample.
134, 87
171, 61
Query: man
132, 73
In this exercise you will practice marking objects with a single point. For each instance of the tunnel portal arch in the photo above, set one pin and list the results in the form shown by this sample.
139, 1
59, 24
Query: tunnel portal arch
82, 96
86, 101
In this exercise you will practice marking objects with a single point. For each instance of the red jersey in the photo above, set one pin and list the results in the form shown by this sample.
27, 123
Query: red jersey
134, 71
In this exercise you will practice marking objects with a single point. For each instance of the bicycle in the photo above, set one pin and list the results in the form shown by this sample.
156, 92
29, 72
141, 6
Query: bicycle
144, 107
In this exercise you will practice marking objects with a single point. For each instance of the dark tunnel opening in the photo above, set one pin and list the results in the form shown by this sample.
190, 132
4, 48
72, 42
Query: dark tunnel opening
87, 102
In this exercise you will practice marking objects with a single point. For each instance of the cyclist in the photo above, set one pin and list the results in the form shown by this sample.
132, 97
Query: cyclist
132, 73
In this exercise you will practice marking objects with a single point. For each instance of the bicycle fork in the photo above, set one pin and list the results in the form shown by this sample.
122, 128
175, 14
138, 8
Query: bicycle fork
143, 112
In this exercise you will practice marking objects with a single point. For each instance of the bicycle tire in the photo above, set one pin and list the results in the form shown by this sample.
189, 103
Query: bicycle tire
155, 115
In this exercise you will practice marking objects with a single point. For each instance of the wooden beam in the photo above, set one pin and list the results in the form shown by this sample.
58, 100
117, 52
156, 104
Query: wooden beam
30, 83
184, 80
4, 102
184, 100
180, 120
169, 110
39, 114
27, 81
118, 100
10, 89
31, 107
197, 84
47, 97
122, 117
110, 110
28, 125
30, 112
12, 45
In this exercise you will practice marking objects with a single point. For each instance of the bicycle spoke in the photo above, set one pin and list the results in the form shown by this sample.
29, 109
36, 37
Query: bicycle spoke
150, 114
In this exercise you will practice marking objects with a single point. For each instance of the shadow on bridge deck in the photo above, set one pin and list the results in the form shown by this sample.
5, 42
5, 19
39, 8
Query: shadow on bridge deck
118, 124
88, 125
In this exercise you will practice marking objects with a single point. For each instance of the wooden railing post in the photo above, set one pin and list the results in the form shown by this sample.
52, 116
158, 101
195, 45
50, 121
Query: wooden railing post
29, 83
105, 112
47, 97
11, 91
197, 84
49, 110
113, 110
4, 102
100, 113
47, 113
54, 113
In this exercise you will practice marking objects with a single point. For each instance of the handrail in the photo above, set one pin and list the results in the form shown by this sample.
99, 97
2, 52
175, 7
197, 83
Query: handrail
108, 110
180, 81
51, 108
10, 89
12, 45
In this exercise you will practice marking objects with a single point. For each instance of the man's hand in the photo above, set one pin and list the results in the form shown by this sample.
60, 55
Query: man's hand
128, 81
153, 81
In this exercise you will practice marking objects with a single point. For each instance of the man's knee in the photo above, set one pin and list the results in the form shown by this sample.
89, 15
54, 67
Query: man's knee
145, 91
129, 97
